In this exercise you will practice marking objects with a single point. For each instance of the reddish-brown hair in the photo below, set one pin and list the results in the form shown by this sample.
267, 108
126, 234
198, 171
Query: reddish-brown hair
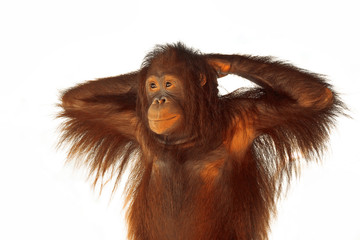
253, 138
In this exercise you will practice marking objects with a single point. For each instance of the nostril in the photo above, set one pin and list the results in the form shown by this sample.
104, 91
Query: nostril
156, 101
162, 100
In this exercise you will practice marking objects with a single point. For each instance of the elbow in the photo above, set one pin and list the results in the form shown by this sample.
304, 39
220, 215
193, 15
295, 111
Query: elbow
69, 101
319, 100
327, 98
66, 102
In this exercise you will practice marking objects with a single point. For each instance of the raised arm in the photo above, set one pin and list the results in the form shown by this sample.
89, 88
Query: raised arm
107, 102
306, 89
84, 95
292, 112
100, 123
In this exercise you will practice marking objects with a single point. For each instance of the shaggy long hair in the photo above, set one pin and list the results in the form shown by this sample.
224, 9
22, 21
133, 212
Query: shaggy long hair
258, 175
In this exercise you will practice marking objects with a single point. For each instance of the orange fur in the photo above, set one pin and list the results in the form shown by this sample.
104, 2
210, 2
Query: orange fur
219, 174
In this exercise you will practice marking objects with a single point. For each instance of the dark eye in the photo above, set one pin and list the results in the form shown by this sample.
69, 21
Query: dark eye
152, 85
168, 84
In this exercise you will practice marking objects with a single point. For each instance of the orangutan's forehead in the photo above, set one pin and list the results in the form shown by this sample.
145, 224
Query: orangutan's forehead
176, 69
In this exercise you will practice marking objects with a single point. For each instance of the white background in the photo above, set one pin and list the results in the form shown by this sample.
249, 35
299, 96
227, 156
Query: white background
47, 46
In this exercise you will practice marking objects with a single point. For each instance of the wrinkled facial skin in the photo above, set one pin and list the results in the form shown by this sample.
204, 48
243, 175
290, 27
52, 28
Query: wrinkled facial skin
165, 116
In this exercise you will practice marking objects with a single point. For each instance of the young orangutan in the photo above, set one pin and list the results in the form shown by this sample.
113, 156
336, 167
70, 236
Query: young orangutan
203, 166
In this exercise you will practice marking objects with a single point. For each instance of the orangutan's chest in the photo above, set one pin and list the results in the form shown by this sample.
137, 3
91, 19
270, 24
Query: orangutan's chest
182, 183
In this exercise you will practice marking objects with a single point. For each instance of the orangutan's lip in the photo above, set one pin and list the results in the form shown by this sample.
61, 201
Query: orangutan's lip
159, 120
